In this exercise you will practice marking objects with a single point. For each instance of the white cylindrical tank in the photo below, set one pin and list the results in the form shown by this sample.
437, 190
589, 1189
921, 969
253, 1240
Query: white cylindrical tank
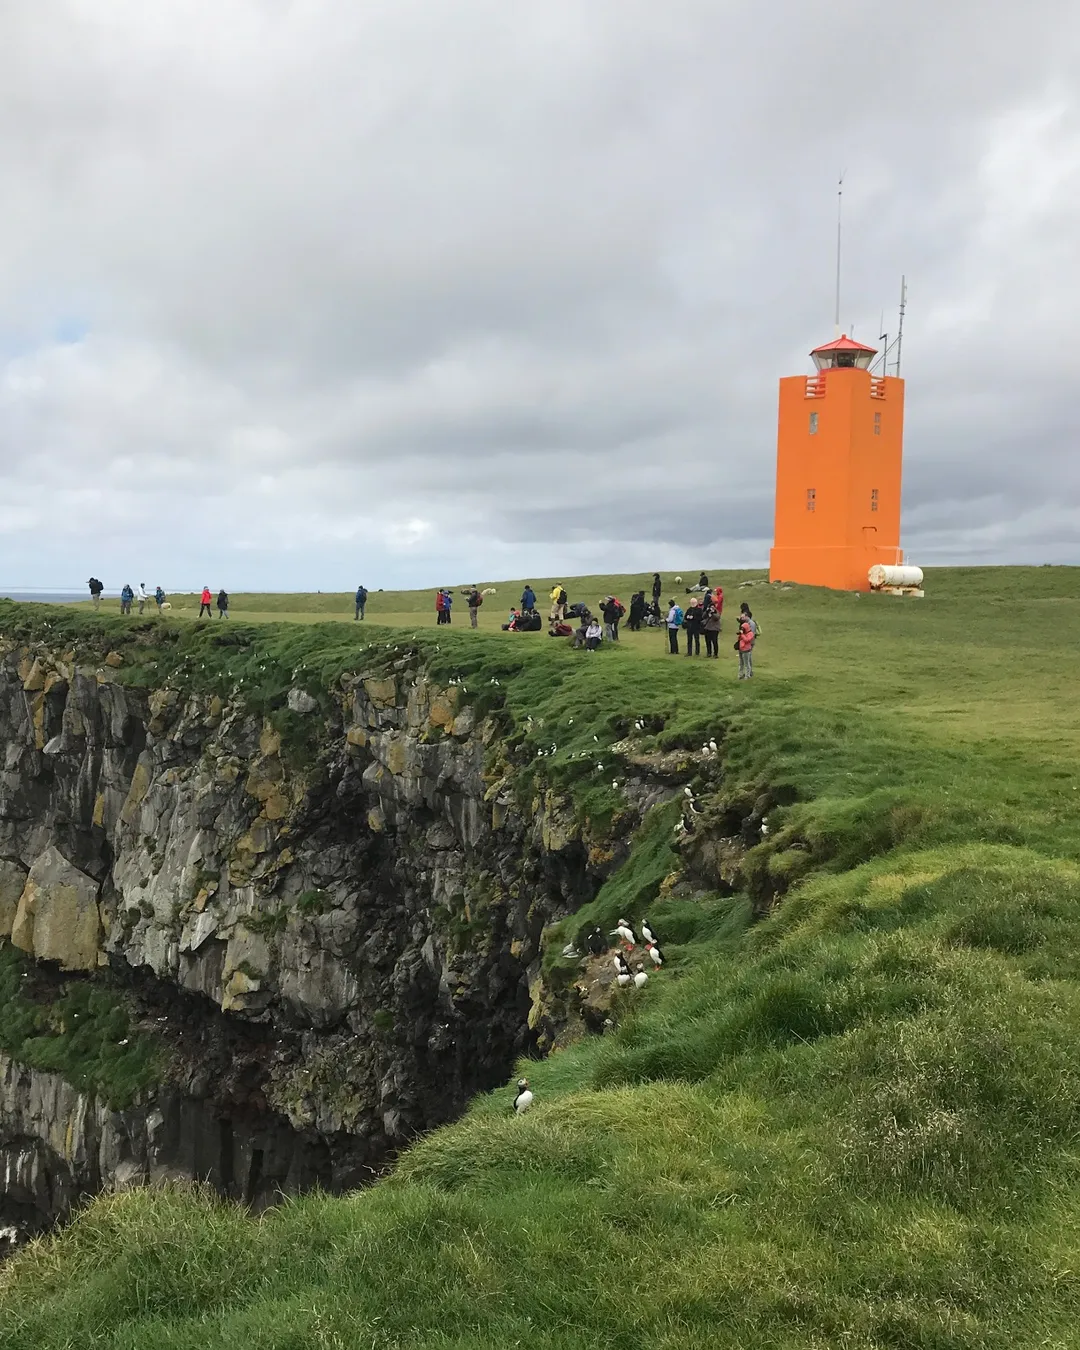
881, 574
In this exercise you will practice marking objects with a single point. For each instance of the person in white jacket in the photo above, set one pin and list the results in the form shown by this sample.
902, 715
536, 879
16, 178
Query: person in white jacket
142, 596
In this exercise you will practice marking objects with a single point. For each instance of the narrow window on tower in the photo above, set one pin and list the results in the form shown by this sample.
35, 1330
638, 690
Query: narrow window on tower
877, 424
813, 424
811, 498
873, 499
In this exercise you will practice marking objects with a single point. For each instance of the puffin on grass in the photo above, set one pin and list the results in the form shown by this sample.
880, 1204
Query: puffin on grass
655, 954
641, 979
524, 1098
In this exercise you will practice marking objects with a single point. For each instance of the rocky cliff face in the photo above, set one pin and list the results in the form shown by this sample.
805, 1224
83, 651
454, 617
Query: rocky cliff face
336, 945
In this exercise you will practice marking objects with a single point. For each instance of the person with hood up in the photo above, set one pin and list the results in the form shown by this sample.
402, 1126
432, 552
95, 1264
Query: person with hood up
361, 602
126, 597
637, 611
528, 598
159, 598
204, 602
223, 604
674, 623
692, 624
558, 602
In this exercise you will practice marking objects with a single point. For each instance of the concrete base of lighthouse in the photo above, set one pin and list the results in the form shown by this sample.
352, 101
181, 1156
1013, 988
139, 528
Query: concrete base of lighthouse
838, 569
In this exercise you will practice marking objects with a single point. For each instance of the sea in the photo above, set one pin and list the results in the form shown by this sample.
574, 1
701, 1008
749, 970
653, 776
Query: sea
46, 597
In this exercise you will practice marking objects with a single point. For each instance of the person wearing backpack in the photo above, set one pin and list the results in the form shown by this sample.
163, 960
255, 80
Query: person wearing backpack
528, 598
674, 623
159, 598
474, 599
126, 597
558, 602
361, 602
204, 602
96, 587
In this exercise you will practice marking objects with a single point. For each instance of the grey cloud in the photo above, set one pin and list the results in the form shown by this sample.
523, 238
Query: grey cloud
366, 288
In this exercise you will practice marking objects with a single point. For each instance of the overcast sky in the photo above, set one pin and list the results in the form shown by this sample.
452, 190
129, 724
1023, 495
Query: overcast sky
296, 293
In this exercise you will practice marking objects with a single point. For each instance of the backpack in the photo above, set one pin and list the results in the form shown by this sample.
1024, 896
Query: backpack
678, 615
620, 609
476, 599
562, 596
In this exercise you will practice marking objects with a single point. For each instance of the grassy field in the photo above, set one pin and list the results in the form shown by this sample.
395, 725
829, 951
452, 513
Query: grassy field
854, 1124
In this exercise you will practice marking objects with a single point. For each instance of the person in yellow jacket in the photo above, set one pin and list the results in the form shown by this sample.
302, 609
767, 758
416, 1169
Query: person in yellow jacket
558, 602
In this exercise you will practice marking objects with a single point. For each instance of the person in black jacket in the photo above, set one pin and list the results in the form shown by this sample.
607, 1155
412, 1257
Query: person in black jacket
223, 604
692, 624
95, 591
657, 590
637, 611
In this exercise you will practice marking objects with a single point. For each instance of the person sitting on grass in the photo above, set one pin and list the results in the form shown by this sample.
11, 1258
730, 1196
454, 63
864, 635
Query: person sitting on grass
593, 636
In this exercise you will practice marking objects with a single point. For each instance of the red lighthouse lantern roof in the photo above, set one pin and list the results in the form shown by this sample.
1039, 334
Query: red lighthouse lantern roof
843, 351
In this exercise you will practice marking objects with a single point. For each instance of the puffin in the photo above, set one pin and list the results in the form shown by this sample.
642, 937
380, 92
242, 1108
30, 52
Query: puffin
641, 979
524, 1098
595, 942
655, 955
625, 932
622, 970
646, 932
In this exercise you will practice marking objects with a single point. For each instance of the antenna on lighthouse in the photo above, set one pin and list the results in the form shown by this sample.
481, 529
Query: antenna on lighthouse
900, 330
839, 220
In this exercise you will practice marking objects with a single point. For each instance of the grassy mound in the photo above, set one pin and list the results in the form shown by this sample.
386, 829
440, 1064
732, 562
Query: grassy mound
852, 1124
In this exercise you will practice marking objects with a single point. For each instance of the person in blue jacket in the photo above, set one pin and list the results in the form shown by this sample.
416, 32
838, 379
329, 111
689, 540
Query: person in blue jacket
528, 597
361, 602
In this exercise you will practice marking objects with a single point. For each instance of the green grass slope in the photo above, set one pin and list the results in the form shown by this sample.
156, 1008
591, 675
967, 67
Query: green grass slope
854, 1124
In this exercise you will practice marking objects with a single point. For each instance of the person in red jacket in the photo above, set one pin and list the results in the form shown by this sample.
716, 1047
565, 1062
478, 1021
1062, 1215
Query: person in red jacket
205, 605
745, 643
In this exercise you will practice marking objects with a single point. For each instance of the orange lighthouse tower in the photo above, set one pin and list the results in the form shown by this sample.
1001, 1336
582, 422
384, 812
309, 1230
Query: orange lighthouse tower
838, 465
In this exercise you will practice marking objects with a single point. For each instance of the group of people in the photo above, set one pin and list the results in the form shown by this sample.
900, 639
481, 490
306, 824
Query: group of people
130, 596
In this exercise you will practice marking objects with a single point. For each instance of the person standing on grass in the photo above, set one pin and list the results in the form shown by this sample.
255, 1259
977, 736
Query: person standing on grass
744, 613
204, 602
142, 596
126, 597
222, 604
692, 624
528, 598
96, 588
674, 623
637, 611
448, 601
657, 589
710, 626
361, 602
558, 603
159, 598
440, 606
474, 599
744, 644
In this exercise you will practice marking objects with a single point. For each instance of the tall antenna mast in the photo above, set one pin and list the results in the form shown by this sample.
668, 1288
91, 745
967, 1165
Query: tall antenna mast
900, 330
839, 218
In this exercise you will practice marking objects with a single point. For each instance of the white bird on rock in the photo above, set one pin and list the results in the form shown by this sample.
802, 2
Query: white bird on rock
688, 791
713, 747
524, 1098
